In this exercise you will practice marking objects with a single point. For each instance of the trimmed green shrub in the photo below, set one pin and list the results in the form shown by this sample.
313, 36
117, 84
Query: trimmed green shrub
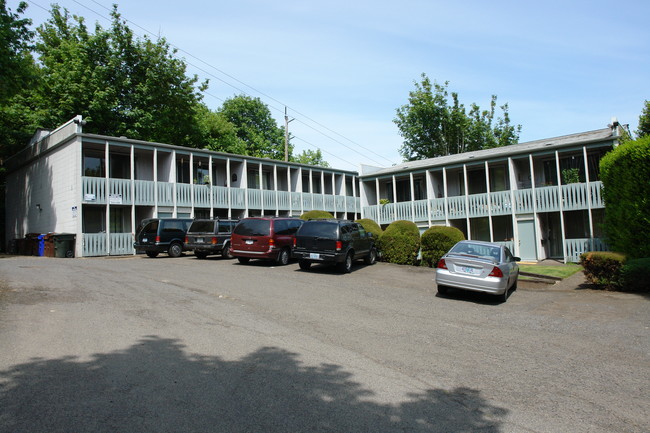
400, 243
370, 226
635, 275
603, 268
316, 215
436, 241
625, 172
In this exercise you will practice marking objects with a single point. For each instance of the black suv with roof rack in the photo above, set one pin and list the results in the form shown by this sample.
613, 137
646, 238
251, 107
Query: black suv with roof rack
338, 242
210, 236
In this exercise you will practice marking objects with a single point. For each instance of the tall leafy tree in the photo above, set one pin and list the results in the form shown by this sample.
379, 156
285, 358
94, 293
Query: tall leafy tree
16, 62
644, 121
311, 157
255, 127
432, 126
121, 84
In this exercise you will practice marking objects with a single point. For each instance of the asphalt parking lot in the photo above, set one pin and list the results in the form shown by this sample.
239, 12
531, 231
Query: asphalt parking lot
187, 345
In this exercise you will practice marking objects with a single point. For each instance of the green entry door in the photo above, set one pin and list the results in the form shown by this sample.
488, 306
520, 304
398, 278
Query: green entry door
527, 242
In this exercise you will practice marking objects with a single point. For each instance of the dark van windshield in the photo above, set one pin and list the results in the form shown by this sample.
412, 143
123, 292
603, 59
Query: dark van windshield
253, 227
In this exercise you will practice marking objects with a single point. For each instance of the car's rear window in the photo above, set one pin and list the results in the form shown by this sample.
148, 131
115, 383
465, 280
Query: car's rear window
325, 230
202, 226
253, 227
476, 250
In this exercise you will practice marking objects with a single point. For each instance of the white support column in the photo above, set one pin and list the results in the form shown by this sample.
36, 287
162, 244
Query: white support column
174, 180
290, 191
591, 221
155, 182
513, 183
394, 198
211, 186
244, 184
275, 188
107, 165
78, 201
311, 188
192, 185
412, 197
260, 174
133, 222
560, 200
469, 226
228, 186
322, 188
489, 200
444, 184
430, 194
354, 196
334, 194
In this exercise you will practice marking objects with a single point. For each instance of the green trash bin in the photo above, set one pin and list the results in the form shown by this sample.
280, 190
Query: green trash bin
64, 245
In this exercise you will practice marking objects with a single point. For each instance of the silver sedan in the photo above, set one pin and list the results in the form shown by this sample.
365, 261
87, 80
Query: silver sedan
478, 266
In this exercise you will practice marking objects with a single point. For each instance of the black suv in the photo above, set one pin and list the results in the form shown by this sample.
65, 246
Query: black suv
157, 235
333, 241
210, 236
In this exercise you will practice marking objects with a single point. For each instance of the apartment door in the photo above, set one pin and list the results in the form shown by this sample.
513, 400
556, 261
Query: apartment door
527, 242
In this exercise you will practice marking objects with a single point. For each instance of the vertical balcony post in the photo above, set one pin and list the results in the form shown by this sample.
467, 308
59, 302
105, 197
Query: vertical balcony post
133, 222
591, 221
489, 200
561, 202
469, 227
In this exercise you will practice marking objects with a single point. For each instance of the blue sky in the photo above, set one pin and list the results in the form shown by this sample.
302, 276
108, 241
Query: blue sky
343, 67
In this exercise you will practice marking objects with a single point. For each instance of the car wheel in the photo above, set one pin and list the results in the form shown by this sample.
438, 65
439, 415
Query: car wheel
200, 255
442, 290
226, 252
283, 257
371, 258
304, 264
243, 260
152, 254
346, 266
503, 297
175, 250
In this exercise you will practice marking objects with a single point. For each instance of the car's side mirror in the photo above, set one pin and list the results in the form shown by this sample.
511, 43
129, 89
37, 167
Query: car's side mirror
517, 259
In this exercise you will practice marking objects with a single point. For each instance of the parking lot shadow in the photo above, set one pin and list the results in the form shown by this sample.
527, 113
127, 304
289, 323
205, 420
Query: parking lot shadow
154, 386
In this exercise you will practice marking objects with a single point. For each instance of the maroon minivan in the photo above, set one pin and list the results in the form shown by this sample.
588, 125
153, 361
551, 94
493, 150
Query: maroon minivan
266, 238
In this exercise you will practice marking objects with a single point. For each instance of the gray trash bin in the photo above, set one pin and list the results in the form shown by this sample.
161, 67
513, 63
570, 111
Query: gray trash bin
64, 245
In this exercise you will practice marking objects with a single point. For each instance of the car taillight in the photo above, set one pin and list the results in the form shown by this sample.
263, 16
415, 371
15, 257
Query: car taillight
294, 242
442, 264
496, 272
157, 238
271, 243
339, 245
214, 241
187, 240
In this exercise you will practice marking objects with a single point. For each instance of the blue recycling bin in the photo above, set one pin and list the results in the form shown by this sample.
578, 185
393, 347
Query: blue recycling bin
41, 245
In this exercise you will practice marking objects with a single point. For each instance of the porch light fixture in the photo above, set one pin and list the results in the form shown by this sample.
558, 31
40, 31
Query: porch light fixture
40, 209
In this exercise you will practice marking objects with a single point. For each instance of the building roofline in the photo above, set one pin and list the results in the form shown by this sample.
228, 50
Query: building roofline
554, 143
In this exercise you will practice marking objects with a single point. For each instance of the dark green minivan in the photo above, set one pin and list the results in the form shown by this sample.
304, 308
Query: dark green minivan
159, 235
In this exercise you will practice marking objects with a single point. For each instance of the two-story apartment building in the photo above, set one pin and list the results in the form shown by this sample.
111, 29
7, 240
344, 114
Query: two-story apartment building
101, 187
541, 198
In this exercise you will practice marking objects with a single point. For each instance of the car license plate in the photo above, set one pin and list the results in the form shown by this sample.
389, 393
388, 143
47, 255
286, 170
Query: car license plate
199, 240
314, 256
249, 242
468, 270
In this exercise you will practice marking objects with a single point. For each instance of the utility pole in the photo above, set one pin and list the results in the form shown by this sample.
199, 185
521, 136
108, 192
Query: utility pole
286, 135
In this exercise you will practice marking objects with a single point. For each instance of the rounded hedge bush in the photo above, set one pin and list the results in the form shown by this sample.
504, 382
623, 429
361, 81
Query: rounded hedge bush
635, 275
370, 226
436, 241
400, 243
316, 215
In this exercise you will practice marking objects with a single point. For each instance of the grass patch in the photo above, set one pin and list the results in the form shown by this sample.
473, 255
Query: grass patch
560, 271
